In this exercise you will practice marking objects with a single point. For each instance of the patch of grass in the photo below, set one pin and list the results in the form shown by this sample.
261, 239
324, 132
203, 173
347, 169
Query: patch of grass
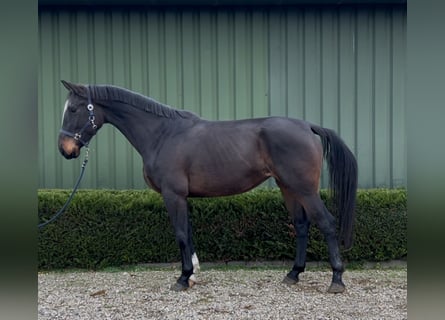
235, 266
355, 265
229, 267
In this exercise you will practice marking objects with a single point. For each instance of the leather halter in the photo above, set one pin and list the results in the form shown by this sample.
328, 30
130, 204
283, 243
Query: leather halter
78, 135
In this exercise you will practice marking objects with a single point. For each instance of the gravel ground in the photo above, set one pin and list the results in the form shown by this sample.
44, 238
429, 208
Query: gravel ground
236, 293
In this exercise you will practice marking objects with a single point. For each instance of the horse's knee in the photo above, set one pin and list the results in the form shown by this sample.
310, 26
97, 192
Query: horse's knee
181, 239
302, 230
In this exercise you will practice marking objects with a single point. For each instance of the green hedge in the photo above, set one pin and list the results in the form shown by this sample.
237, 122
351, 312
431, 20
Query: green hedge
104, 228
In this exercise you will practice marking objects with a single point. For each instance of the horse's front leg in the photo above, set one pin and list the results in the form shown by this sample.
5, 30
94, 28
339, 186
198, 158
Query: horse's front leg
195, 260
178, 211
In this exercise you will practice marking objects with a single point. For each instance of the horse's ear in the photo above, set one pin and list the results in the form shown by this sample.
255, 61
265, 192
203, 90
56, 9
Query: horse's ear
75, 88
68, 85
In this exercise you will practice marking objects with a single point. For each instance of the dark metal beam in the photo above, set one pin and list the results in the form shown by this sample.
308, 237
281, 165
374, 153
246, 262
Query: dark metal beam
213, 2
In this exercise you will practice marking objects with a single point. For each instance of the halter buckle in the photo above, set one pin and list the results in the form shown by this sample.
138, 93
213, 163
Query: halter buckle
92, 118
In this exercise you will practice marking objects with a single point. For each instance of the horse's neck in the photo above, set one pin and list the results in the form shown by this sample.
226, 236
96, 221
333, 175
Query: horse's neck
142, 129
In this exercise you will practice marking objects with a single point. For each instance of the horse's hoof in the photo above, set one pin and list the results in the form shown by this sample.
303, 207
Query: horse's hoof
289, 281
336, 288
191, 282
178, 287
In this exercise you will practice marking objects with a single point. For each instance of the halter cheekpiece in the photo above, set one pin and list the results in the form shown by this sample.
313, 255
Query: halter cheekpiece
78, 135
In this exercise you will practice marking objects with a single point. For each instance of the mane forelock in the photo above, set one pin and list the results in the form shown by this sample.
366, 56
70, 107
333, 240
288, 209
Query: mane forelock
114, 93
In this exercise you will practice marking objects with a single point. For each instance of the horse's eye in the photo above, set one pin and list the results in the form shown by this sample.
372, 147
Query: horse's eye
72, 109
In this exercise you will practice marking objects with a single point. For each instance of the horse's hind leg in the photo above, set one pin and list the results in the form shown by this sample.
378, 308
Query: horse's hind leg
301, 226
317, 213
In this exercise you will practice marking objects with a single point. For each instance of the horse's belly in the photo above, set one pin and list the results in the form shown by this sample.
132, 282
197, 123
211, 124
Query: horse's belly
226, 160
222, 183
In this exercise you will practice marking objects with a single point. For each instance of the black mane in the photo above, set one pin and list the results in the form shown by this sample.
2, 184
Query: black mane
114, 93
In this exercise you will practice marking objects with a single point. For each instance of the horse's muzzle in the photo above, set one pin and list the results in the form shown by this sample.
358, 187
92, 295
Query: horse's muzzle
68, 147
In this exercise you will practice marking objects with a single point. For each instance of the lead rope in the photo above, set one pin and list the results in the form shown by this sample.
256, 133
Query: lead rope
62, 210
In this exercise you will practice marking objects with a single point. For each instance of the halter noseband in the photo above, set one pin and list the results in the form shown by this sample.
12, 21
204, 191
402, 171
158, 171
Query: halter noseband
78, 135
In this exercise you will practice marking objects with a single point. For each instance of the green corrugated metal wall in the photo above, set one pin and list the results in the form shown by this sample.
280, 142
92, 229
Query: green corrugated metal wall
341, 67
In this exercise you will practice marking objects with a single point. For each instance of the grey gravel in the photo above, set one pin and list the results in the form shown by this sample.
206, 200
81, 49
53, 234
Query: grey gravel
229, 294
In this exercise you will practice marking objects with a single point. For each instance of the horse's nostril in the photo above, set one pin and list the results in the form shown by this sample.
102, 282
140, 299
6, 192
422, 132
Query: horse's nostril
68, 148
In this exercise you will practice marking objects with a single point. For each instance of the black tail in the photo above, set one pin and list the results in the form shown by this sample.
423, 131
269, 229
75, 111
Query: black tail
343, 180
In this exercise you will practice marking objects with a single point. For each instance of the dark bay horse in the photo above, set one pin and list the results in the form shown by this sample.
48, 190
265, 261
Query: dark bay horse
186, 156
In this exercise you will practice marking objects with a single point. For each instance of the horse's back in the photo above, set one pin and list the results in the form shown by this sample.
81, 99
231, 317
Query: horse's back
226, 140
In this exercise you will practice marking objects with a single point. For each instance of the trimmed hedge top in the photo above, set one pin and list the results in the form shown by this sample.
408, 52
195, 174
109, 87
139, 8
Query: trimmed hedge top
103, 228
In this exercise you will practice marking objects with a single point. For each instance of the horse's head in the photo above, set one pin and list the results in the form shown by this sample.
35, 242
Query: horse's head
80, 122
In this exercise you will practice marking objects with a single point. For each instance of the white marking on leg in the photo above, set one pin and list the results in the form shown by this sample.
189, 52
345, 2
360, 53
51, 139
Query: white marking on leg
196, 267
195, 262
